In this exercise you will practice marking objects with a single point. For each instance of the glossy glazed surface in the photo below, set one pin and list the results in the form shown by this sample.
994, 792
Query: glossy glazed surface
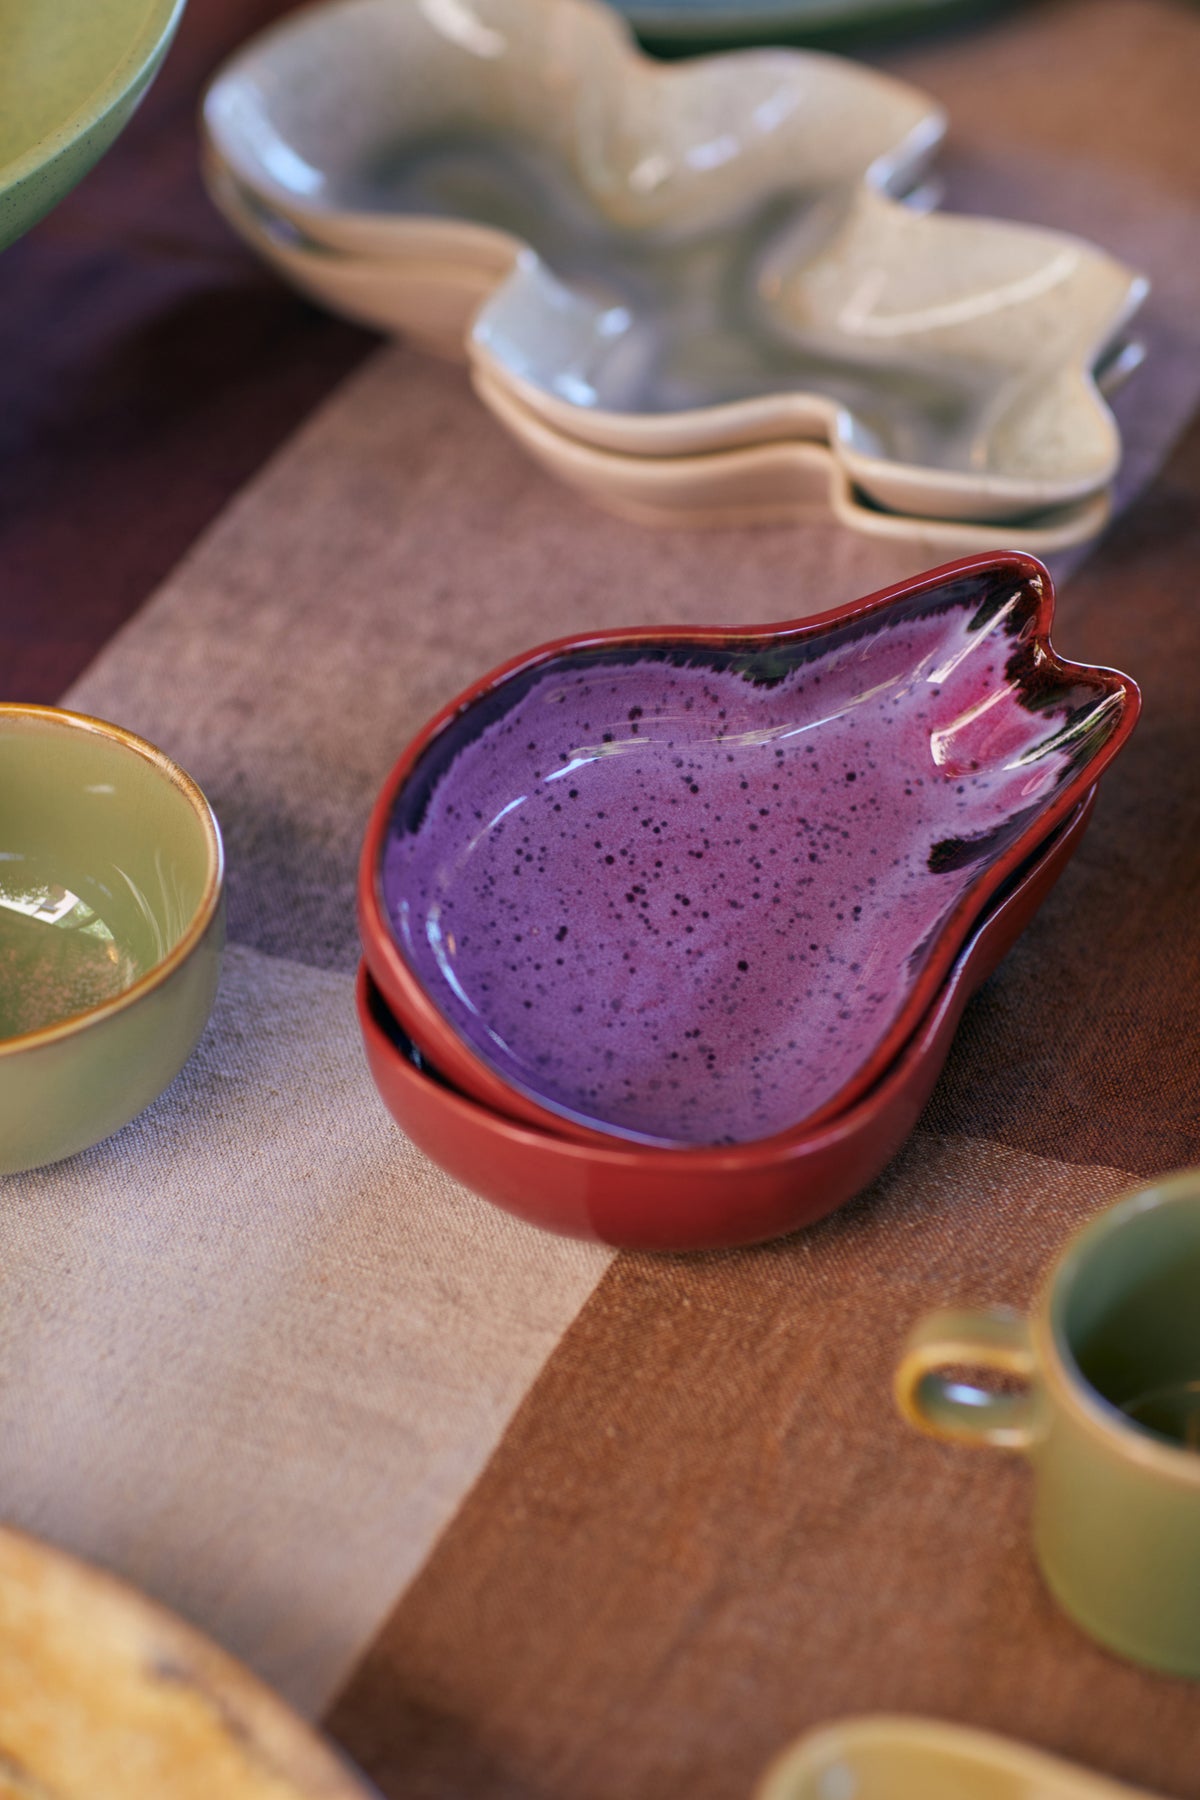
776, 482
688, 889
539, 120
710, 254
431, 300
945, 359
643, 1198
109, 1697
1117, 1498
896, 1758
70, 75
780, 482
110, 928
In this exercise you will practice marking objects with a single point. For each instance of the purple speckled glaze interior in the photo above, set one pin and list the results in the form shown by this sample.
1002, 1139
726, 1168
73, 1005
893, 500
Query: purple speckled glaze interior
682, 893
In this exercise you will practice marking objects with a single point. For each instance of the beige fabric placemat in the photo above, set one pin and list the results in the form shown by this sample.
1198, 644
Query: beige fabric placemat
258, 1355
255, 1351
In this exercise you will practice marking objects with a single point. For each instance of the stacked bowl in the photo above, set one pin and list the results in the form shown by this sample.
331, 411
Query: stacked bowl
705, 292
667, 933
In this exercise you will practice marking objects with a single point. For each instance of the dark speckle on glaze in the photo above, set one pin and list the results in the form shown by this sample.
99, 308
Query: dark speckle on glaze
683, 893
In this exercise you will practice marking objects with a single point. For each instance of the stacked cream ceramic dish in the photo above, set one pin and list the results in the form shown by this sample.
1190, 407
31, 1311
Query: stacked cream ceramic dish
709, 291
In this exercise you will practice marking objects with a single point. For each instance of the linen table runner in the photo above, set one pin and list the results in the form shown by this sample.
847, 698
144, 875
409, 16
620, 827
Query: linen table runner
515, 1516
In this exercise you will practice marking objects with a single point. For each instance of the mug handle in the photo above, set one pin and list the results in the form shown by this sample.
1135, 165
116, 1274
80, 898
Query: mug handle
993, 1337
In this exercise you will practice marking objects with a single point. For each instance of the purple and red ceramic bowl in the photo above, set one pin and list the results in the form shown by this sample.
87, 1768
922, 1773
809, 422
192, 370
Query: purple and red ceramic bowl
642, 1197
699, 888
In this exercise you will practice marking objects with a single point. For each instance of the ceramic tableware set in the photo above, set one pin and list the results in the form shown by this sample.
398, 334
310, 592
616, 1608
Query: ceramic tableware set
666, 933
700, 292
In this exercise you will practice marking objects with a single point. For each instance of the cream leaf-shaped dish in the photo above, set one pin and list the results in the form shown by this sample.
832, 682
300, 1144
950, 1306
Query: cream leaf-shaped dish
947, 361
783, 481
540, 121
676, 259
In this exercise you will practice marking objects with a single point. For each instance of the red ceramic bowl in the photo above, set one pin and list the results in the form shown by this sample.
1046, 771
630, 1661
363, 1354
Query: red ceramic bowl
716, 915
636, 1197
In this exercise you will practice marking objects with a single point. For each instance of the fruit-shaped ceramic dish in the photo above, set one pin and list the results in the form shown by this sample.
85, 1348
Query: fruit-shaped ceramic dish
111, 928
71, 73
886, 1758
636, 1197
109, 1697
700, 886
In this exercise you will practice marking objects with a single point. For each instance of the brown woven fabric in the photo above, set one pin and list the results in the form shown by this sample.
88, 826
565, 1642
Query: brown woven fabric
1096, 82
708, 1530
1087, 1045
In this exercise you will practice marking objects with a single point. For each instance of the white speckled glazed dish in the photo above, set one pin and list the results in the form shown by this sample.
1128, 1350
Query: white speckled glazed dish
673, 259
776, 483
781, 481
539, 122
896, 1758
946, 361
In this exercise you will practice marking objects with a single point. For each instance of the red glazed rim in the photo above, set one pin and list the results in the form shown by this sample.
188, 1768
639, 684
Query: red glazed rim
706, 1191
424, 1023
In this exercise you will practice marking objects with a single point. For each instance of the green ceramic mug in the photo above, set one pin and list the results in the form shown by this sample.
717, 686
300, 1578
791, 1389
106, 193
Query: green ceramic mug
1109, 1417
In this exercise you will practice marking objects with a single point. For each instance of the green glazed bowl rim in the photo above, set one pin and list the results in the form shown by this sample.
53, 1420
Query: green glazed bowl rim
1086, 1402
210, 899
139, 56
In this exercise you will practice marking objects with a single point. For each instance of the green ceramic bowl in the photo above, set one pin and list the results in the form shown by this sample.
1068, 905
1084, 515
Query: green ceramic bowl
71, 72
111, 928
